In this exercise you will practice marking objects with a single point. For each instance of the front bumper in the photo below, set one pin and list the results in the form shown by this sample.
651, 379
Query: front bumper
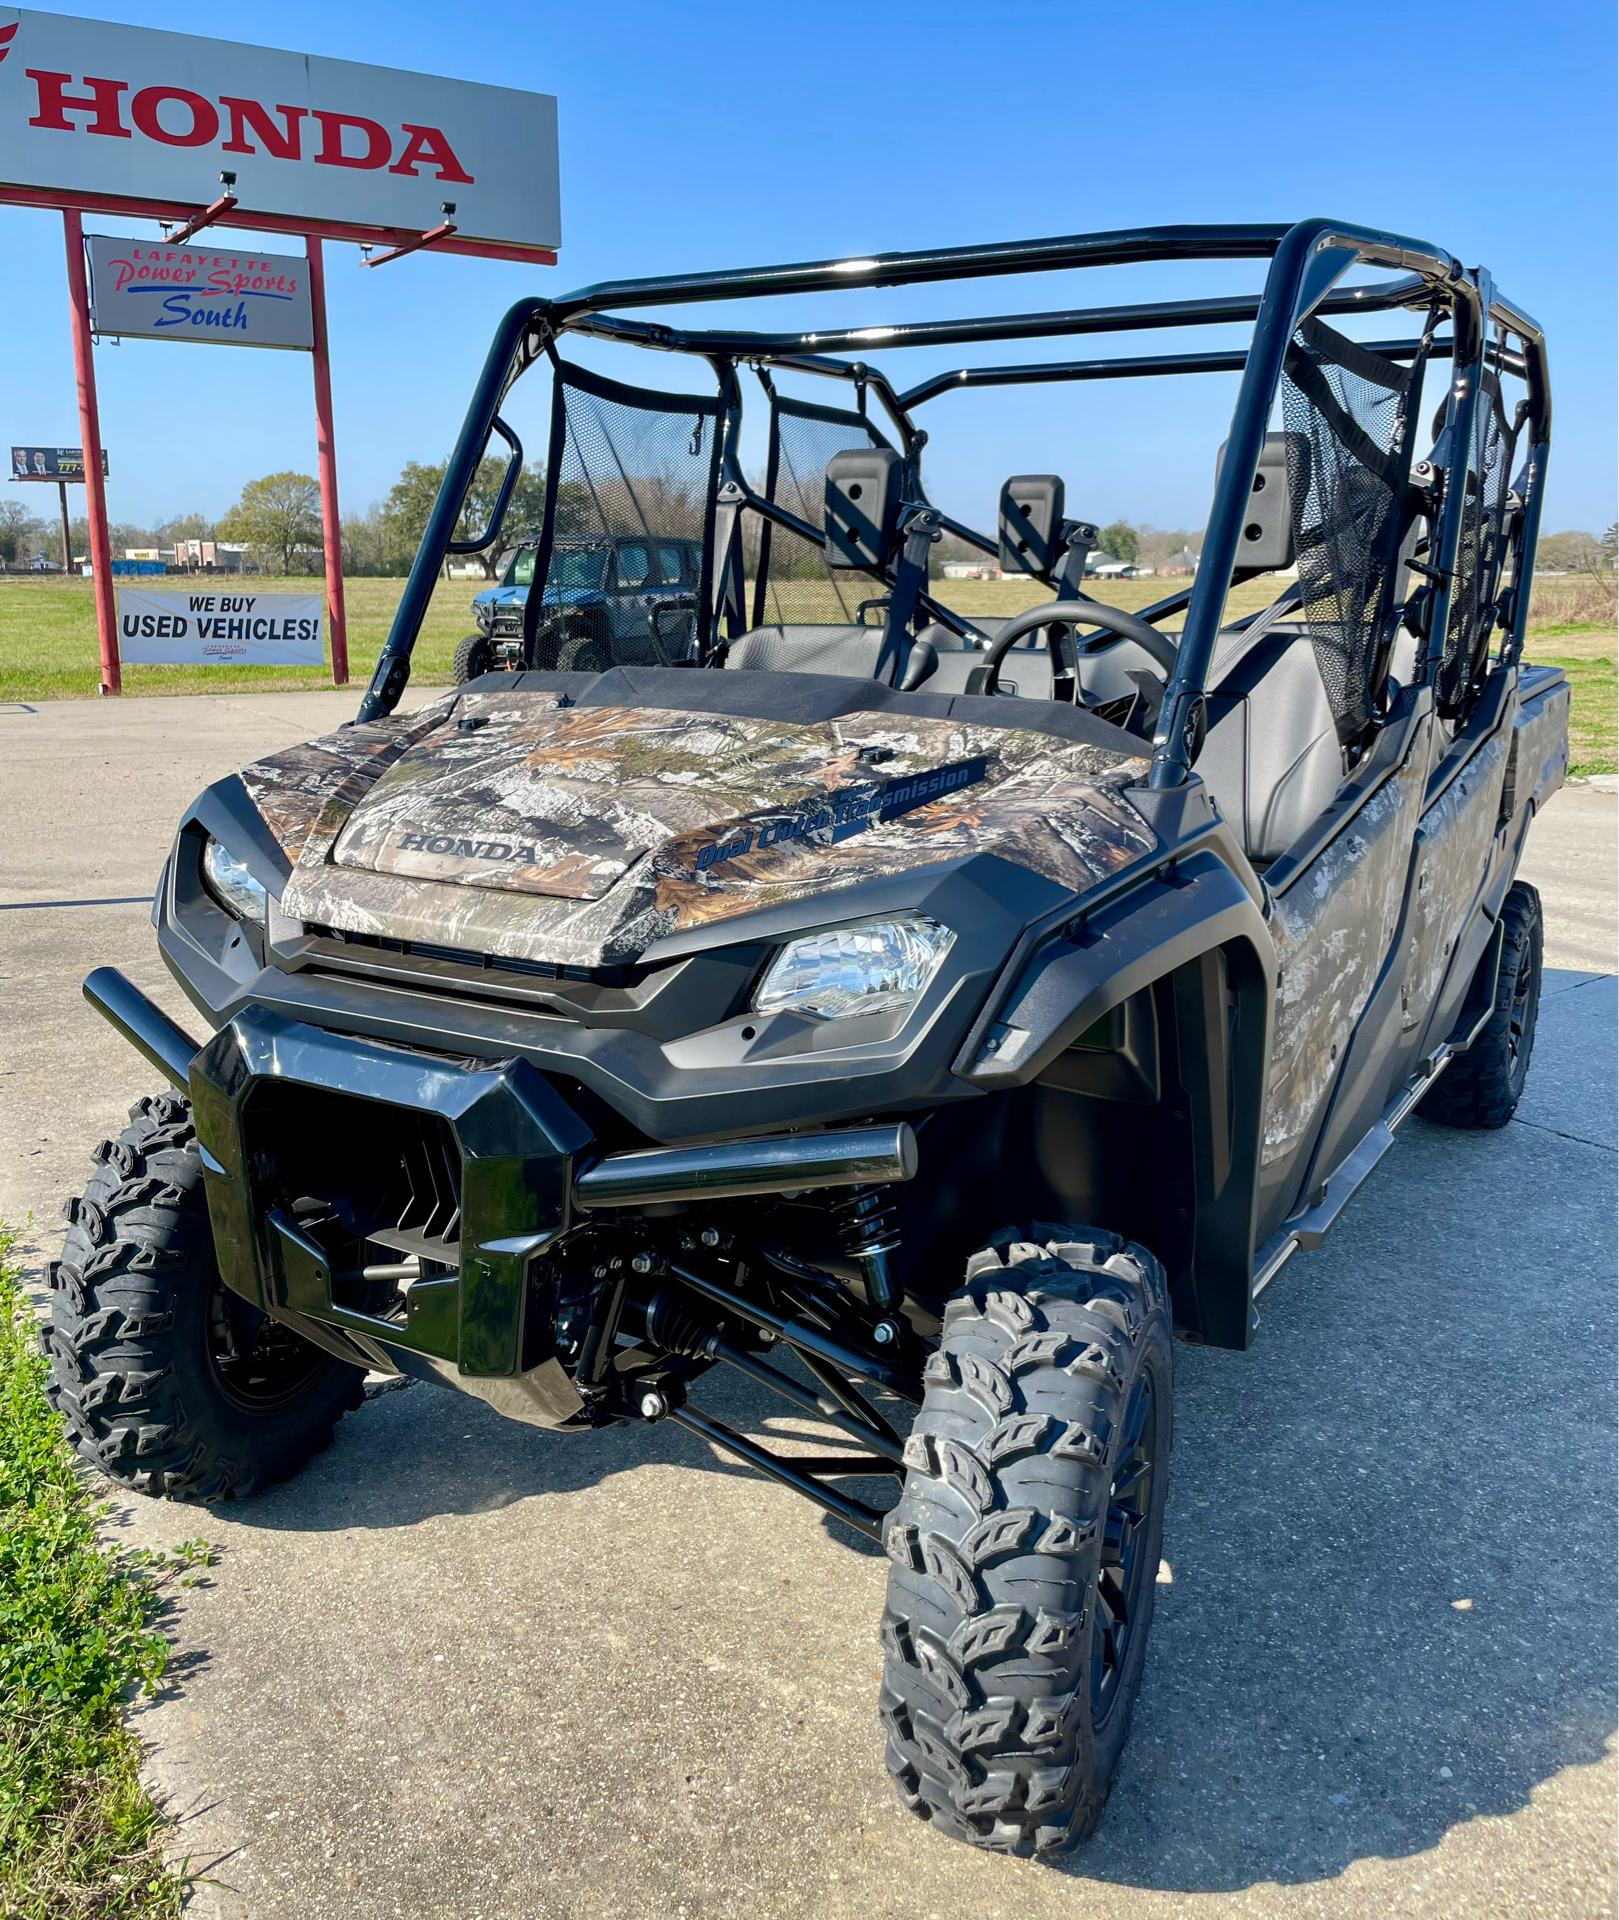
267, 1093
318, 1148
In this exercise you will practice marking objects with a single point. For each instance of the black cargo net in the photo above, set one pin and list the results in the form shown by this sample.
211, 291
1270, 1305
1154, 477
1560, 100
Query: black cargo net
794, 585
1479, 553
629, 485
1347, 415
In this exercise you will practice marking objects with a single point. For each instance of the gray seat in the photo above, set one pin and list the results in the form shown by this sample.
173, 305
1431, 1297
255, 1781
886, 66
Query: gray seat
1272, 758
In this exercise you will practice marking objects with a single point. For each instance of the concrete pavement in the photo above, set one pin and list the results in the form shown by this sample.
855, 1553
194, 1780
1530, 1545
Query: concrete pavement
459, 1666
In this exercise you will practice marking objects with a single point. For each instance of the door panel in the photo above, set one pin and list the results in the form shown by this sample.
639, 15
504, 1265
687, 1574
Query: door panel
1333, 928
1454, 843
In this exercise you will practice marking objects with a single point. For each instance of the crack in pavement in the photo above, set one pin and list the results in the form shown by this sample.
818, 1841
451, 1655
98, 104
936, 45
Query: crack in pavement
1578, 1138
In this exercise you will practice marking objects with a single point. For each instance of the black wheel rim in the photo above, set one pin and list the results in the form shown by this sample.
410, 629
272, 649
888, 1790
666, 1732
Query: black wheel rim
1521, 1014
1122, 1574
260, 1366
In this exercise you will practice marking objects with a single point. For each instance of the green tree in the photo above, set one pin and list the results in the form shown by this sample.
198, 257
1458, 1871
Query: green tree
410, 501
1121, 542
183, 526
278, 516
18, 532
1571, 552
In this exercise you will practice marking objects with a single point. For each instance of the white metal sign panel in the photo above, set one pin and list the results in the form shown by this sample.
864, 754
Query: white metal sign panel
231, 628
199, 292
90, 107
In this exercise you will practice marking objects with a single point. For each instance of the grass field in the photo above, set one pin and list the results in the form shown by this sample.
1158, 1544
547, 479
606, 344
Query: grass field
79, 1834
48, 640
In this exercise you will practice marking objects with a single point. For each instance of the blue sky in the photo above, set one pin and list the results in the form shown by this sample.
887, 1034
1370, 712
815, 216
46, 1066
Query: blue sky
699, 135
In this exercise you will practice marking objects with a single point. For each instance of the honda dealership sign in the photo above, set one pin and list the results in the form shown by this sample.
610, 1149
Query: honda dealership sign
92, 108
199, 292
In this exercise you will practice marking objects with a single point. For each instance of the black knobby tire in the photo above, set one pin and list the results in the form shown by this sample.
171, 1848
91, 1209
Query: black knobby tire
1026, 1544
582, 651
474, 656
1482, 1087
167, 1382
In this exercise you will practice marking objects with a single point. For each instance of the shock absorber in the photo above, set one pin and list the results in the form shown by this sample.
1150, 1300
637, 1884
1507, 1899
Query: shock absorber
869, 1229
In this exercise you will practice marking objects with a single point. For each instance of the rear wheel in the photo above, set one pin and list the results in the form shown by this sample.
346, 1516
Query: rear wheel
166, 1381
474, 655
1483, 1086
1026, 1544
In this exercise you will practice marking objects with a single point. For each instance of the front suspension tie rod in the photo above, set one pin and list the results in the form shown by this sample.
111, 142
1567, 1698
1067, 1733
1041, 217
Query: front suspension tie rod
854, 1513
819, 1405
799, 1333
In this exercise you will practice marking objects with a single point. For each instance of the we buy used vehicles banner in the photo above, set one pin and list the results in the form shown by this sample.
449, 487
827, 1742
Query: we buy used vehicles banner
220, 628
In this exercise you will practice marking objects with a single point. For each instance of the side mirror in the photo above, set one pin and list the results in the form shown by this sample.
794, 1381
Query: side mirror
863, 489
1267, 543
1031, 524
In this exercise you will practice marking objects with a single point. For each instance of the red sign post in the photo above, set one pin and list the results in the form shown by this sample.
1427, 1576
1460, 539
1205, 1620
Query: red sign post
95, 488
326, 453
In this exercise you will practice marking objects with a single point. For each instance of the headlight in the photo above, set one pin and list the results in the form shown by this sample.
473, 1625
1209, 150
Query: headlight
231, 884
875, 967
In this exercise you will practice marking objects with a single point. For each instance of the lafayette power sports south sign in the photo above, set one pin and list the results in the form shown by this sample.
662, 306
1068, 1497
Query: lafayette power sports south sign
199, 292
92, 108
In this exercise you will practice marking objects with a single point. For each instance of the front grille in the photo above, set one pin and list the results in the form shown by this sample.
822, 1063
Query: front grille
508, 623
495, 963
399, 1168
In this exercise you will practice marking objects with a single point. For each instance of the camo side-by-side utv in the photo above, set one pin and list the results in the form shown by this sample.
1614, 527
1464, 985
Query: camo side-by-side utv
925, 1015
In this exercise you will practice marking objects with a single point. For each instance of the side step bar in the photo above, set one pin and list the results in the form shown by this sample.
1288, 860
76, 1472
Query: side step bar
1308, 1228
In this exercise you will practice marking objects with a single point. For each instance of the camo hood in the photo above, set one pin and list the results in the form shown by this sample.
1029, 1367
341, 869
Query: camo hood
526, 825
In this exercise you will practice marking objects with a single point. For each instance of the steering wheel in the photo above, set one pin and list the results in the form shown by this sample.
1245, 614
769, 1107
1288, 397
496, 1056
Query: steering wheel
1071, 613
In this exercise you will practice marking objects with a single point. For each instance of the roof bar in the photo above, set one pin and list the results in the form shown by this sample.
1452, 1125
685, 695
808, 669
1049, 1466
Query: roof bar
1120, 248
944, 333
1231, 361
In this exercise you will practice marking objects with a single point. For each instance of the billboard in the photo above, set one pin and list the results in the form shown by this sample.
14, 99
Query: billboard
232, 628
93, 108
199, 292
52, 463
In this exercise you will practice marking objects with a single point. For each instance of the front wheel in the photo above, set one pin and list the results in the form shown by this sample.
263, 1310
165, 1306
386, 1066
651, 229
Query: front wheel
583, 651
474, 656
1026, 1543
166, 1381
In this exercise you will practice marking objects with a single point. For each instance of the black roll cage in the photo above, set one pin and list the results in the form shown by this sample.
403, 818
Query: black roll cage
1307, 261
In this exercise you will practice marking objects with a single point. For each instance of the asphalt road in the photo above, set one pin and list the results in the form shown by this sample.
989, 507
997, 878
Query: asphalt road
462, 1667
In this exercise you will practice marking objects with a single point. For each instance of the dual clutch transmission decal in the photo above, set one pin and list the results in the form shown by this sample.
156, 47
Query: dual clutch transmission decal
849, 811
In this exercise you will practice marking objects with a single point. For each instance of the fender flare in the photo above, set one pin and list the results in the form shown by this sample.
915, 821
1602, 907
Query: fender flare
1098, 961
1196, 928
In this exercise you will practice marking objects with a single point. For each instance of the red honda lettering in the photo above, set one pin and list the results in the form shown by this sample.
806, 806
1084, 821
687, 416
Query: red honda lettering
378, 144
55, 105
245, 114
204, 120
429, 145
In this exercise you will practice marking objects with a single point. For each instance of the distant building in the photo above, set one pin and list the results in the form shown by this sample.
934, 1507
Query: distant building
208, 556
970, 570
